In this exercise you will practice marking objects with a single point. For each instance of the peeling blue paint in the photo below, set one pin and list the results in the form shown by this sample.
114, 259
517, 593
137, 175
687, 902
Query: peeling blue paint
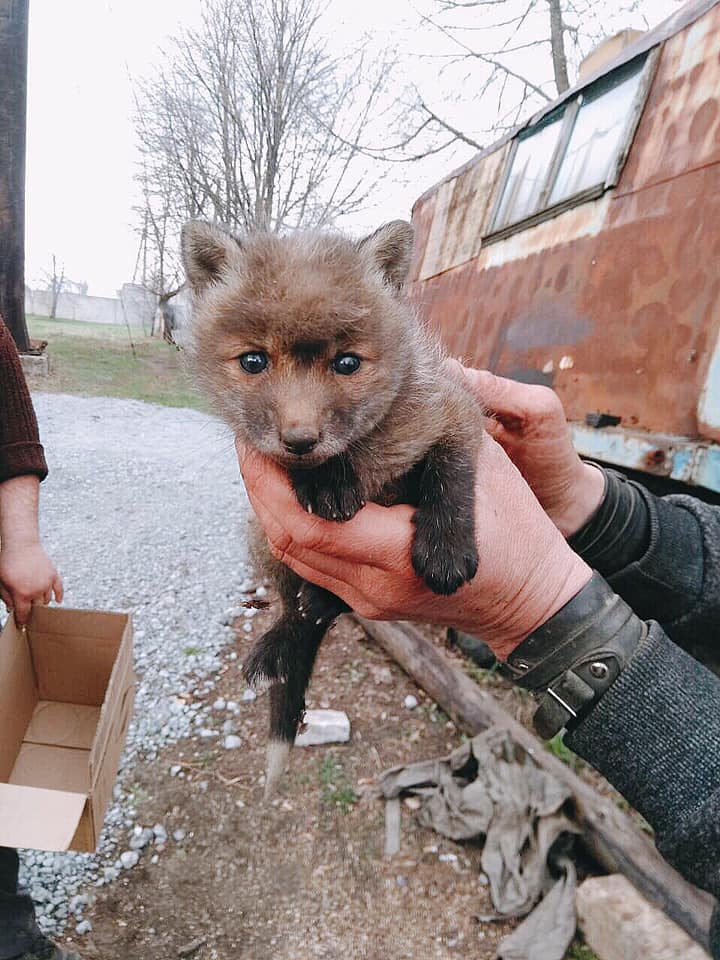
662, 455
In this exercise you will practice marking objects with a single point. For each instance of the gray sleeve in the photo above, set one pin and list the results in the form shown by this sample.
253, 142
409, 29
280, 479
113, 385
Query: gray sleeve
677, 580
655, 735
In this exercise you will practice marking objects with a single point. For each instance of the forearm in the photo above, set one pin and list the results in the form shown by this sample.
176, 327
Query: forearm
662, 555
19, 504
655, 735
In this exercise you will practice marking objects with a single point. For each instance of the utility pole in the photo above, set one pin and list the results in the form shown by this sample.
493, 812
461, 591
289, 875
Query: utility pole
13, 109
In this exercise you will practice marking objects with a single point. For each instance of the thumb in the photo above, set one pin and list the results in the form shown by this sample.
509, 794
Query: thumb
503, 399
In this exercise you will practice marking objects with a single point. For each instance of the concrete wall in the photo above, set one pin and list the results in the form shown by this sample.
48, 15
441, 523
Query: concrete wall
139, 306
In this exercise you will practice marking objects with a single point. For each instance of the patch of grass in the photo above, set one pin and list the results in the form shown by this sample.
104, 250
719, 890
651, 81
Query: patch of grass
337, 791
137, 795
94, 359
357, 671
191, 651
483, 677
557, 747
580, 951
436, 714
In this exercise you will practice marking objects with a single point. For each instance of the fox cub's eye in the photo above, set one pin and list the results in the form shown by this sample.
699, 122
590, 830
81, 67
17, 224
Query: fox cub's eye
346, 363
254, 362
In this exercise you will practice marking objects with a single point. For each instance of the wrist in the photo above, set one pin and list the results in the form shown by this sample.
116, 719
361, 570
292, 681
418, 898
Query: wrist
539, 602
573, 659
585, 494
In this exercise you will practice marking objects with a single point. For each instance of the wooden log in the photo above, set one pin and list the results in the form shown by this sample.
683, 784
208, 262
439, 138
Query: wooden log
609, 834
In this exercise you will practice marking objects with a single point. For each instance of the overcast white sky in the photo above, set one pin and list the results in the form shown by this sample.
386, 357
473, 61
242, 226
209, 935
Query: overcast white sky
81, 149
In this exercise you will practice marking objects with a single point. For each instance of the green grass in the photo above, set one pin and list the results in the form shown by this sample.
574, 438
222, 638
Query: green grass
557, 747
95, 359
336, 792
579, 951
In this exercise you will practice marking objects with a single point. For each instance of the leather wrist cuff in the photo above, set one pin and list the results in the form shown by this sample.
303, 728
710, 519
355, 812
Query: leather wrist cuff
571, 661
618, 533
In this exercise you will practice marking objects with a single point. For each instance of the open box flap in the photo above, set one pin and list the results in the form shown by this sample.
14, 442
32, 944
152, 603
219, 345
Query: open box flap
18, 693
38, 819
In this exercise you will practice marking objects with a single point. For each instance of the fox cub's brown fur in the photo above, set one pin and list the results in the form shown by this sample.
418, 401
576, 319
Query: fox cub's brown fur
308, 351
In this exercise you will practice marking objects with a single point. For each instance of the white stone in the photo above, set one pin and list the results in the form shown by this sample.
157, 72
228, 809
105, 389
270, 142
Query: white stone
219, 704
410, 702
619, 924
83, 927
323, 726
232, 742
248, 696
129, 859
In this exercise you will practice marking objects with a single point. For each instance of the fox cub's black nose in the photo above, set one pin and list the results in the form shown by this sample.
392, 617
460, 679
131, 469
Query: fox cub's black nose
299, 441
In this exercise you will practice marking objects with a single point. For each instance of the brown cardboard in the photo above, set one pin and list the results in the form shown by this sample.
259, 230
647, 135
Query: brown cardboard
66, 696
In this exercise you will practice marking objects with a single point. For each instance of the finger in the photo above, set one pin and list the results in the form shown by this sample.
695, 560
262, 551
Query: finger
377, 536
58, 588
47, 596
23, 609
373, 535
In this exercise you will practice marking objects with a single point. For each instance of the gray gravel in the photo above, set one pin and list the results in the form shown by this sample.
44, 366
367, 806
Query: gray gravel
144, 510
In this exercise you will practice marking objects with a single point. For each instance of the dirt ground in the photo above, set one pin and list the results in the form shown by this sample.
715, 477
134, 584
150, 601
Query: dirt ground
304, 878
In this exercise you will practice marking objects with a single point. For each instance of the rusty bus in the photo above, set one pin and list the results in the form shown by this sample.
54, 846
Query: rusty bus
582, 252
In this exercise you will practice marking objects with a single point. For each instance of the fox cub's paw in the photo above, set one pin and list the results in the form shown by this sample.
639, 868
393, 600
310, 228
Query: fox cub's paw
445, 563
328, 492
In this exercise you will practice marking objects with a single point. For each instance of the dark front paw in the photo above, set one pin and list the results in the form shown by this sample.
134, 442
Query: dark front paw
330, 491
444, 564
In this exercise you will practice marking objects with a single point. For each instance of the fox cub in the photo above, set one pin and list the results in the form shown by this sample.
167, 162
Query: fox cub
307, 349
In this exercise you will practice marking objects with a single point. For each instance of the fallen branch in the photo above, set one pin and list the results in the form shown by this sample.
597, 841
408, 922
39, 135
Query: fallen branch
610, 836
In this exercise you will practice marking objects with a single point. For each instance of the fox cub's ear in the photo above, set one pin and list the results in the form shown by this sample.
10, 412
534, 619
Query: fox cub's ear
206, 250
390, 249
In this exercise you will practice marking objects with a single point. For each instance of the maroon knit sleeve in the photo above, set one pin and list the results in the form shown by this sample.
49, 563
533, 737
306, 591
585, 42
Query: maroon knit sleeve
21, 452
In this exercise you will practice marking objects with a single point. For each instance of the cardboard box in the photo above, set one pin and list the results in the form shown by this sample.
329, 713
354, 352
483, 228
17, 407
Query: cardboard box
66, 697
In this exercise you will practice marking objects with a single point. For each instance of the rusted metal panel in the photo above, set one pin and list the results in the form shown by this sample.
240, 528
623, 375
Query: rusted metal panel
615, 302
461, 209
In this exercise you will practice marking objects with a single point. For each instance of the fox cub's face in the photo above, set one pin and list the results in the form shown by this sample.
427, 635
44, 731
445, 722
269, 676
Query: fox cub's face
301, 341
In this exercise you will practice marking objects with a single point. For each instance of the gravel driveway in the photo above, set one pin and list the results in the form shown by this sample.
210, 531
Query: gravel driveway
143, 510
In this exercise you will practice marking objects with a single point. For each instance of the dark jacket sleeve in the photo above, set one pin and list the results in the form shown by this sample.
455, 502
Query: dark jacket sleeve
21, 452
677, 581
655, 735
674, 578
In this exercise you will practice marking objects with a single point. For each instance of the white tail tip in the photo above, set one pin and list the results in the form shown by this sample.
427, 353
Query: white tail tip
278, 752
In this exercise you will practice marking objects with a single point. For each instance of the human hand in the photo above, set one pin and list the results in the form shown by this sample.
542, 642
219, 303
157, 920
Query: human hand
26, 572
529, 422
527, 572
27, 576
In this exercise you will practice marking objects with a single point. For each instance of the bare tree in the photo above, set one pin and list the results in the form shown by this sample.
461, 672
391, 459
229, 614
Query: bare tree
252, 122
516, 55
158, 267
56, 282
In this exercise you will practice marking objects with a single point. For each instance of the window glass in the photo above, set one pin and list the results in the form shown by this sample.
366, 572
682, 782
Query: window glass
596, 139
528, 175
